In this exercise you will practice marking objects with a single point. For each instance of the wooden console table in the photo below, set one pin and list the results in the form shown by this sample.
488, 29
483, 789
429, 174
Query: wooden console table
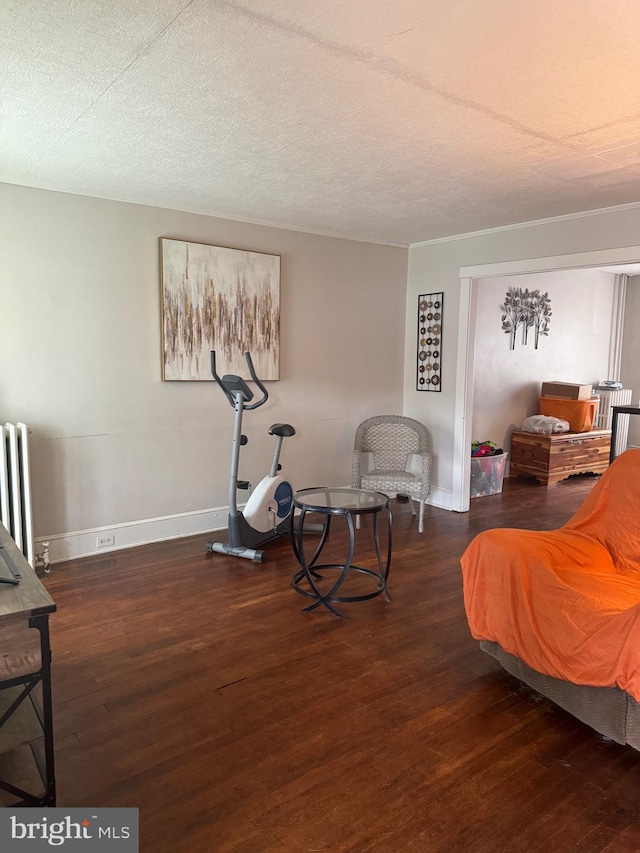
552, 458
27, 775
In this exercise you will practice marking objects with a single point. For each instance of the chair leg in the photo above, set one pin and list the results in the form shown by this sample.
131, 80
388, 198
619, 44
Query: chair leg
357, 522
421, 519
413, 509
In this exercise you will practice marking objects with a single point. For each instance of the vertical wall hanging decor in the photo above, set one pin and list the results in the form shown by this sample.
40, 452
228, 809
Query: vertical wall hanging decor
528, 309
429, 361
219, 299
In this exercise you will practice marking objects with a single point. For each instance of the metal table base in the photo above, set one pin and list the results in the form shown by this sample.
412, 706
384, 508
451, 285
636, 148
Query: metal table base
339, 502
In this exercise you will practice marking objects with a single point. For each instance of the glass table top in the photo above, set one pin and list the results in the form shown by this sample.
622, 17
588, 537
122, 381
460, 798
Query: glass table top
332, 498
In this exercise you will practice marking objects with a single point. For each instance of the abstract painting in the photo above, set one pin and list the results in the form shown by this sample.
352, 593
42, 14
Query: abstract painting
226, 300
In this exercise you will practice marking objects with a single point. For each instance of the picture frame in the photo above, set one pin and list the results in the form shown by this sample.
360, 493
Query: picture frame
222, 299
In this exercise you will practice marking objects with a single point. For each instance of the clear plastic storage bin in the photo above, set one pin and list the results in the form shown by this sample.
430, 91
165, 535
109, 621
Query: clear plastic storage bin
487, 474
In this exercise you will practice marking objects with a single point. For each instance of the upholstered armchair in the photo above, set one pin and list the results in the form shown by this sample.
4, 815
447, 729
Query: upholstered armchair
392, 454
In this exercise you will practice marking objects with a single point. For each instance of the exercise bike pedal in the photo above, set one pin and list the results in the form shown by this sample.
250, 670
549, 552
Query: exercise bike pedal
238, 551
243, 484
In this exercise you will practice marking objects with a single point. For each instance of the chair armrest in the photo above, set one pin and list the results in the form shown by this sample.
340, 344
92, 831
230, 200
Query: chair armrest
361, 463
419, 464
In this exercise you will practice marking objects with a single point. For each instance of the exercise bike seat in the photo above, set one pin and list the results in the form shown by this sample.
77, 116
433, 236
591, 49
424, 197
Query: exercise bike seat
285, 430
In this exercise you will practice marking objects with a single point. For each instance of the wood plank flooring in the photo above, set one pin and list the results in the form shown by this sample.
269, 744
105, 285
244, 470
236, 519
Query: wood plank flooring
194, 687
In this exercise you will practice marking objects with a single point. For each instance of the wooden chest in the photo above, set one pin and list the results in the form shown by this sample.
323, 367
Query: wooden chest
551, 458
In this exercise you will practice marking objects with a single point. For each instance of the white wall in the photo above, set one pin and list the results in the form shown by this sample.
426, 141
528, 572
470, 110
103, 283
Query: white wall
507, 382
80, 362
436, 266
630, 366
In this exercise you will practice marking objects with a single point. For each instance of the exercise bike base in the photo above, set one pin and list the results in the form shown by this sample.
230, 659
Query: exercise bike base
246, 553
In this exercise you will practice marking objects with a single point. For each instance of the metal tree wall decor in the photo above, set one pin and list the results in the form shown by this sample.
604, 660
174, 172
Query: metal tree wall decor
529, 309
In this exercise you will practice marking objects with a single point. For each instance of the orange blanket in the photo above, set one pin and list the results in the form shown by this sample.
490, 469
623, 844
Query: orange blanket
567, 601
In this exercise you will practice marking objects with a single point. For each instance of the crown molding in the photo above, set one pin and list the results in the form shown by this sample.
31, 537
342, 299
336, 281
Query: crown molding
264, 223
634, 205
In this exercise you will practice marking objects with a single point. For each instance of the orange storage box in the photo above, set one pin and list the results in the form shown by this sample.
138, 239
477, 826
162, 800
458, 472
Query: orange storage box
580, 413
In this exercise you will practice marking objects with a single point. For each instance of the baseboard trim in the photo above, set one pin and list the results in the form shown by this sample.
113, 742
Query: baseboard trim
442, 498
130, 534
83, 543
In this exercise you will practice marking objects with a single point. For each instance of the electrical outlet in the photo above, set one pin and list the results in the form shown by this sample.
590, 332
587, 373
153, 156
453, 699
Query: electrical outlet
105, 541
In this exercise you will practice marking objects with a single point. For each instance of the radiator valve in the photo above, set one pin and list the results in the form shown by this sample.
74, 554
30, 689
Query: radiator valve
42, 558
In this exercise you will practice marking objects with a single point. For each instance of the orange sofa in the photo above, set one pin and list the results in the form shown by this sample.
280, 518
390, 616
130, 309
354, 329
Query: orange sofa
560, 609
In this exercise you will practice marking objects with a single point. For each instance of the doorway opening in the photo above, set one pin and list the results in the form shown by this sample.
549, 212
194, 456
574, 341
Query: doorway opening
470, 283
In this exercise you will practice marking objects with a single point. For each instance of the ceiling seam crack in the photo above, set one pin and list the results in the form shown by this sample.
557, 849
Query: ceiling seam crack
118, 76
391, 68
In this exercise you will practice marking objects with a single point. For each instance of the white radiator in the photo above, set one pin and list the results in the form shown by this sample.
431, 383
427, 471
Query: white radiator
608, 399
15, 487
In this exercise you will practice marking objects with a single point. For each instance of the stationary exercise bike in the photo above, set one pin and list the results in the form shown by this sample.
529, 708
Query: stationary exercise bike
266, 514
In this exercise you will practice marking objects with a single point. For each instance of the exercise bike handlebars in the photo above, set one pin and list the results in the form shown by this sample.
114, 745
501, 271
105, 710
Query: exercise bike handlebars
239, 384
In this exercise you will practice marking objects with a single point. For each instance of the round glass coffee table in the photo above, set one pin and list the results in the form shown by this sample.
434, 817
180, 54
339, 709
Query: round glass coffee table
349, 503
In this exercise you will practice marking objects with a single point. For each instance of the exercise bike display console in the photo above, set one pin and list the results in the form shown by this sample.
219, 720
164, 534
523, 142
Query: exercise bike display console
266, 514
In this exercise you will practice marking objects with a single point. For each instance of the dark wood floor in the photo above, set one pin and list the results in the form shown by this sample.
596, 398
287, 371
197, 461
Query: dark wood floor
194, 687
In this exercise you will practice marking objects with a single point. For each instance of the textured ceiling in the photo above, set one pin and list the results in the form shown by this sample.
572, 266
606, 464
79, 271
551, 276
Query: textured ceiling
395, 121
